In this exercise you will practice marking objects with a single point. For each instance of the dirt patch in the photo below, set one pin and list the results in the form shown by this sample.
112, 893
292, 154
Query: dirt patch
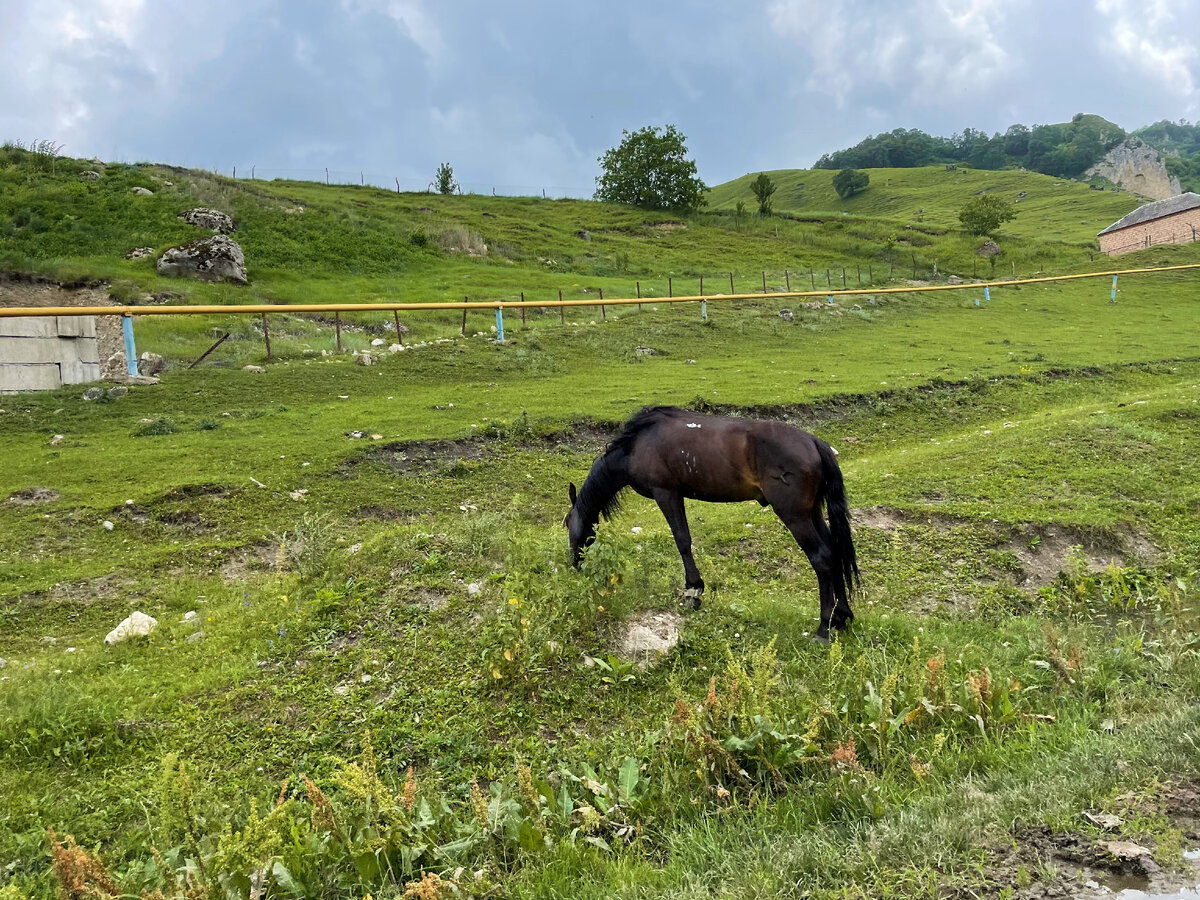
260, 557
192, 491
1045, 551
385, 514
884, 518
430, 599
32, 495
647, 636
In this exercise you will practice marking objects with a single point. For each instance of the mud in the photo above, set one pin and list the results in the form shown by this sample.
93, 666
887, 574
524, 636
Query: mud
1078, 866
32, 495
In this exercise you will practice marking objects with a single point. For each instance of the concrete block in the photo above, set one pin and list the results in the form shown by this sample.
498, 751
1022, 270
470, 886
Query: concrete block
30, 350
74, 371
77, 326
37, 377
28, 326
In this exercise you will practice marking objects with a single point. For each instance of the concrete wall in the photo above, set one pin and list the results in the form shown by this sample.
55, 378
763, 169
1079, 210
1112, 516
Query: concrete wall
41, 353
1180, 228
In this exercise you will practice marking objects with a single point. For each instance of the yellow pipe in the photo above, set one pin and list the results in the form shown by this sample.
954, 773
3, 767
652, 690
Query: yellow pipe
277, 308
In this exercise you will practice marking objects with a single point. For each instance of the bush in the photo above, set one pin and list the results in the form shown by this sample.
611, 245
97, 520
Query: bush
849, 182
444, 179
983, 215
650, 168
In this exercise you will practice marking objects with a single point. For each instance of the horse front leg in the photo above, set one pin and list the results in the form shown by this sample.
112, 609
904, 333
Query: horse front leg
671, 505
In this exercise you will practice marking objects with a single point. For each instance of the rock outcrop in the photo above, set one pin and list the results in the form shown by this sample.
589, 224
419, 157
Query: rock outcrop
212, 219
215, 258
1137, 167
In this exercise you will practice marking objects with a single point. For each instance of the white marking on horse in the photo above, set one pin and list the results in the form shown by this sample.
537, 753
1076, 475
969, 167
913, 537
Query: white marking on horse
693, 425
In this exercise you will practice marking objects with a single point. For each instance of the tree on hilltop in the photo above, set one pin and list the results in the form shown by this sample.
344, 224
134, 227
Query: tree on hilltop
849, 182
983, 215
650, 168
444, 179
763, 187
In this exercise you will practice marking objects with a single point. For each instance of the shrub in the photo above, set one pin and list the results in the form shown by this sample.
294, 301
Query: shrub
650, 168
983, 215
849, 182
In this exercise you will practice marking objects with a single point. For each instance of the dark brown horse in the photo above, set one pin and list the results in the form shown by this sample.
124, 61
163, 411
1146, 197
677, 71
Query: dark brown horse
669, 455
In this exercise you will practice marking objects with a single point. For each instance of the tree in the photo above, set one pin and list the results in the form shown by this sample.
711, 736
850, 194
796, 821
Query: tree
445, 179
650, 168
849, 182
985, 214
763, 187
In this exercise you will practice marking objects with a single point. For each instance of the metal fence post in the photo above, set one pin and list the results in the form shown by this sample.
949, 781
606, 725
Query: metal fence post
131, 365
1113, 296
500, 324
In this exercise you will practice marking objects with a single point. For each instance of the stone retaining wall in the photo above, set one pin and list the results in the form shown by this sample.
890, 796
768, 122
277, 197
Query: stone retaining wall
42, 353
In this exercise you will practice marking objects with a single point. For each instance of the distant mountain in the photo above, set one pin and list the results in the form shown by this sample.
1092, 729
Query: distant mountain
1179, 143
1065, 150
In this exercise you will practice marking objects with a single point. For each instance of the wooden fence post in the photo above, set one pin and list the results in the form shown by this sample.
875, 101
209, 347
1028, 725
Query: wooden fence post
266, 334
337, 330
399, 333
562, 316
639, 293
603, 308
670, 287
787, 280
843, 278
522, 308
812, 278
464, 321
731, 290
764, 282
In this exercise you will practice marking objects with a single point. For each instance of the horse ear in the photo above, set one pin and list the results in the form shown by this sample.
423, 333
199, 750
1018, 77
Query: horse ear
571, 492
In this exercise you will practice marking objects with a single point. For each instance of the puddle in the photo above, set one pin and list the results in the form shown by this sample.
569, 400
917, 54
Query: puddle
1123, 887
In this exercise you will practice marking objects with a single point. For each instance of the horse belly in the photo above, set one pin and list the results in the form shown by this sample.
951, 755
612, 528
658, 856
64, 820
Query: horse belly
714, 478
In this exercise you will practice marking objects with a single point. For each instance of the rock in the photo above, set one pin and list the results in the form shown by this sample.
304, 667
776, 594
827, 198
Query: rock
649, 634
108, 526
3, 662
254, 370
89, 175
1125, 850
189, 615
1107, 821
988, 248
117, 391
212, 219
195, 636
787, 315
365, 359
954, 279
395, 348
140, 253
151, 364
645, 351
141, 191
584, 235
93, 394
378, 342
216, 258
474, 589
123, 379
137, 625
1136, 166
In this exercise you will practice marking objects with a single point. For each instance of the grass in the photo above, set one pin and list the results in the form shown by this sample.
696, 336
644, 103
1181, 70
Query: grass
418, 591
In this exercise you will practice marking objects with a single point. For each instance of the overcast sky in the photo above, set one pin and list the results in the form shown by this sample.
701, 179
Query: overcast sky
525, 95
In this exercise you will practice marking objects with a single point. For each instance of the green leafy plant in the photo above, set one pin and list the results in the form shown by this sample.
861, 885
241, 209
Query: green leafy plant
650, 168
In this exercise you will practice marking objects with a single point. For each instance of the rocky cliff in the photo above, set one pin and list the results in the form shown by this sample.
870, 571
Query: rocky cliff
1137, 167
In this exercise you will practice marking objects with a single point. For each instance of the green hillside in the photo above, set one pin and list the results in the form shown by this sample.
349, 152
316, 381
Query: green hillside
1051, 210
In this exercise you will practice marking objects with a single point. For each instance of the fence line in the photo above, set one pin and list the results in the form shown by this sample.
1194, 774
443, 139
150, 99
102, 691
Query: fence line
285, 308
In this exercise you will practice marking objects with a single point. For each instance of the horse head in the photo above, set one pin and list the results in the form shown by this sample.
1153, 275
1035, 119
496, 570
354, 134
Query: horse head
580, 531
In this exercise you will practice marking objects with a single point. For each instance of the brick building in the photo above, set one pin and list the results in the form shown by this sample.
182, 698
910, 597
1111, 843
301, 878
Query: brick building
1175, 220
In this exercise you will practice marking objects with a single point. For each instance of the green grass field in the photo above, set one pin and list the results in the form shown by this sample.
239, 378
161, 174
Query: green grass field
397, 672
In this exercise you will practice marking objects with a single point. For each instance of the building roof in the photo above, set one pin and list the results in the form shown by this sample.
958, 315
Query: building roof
1156, 210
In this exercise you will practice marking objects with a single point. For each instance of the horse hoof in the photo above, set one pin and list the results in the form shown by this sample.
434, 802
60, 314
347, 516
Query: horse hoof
691, 598
821, 640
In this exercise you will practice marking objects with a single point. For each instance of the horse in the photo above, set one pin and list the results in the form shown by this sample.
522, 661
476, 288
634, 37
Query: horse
669, 454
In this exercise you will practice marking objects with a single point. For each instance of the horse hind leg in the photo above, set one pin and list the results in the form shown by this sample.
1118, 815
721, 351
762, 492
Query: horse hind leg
843, 615
820, 556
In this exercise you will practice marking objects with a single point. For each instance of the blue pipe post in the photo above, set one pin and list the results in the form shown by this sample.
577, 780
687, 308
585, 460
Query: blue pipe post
1113, 296
987, 294
500, 324
830, 299
704, 309
131, 366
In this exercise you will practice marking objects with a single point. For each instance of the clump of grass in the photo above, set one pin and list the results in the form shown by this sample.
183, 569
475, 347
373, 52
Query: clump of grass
462, 240
157, 426
309, 544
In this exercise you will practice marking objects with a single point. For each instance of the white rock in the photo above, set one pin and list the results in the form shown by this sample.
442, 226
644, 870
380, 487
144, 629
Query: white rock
136, 625
197, 636
108, 526
474, 588
365, 359
3, 662
395, 348
378, 342
354, 548
189, 615
256, 370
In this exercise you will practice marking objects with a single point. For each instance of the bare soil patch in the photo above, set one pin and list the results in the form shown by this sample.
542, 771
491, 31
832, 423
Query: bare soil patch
647, 636
32, 495
259, 557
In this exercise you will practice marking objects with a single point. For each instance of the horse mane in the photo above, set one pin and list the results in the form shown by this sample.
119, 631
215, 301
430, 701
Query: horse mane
601, 493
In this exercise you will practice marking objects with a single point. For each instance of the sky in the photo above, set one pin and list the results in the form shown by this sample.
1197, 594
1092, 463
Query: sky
521, 96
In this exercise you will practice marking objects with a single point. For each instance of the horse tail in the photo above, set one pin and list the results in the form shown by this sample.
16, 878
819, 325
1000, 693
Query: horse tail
832, 491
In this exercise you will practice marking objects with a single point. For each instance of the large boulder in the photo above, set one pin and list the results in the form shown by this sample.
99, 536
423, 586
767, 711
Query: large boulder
215, 258
212, 219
